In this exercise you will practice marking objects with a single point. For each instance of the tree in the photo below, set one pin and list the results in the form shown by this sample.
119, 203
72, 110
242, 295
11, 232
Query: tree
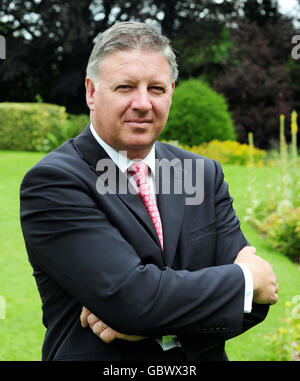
49, 42
256, 81
262, 12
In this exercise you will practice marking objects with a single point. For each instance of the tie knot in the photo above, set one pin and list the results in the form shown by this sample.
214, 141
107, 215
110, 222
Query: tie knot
139, 172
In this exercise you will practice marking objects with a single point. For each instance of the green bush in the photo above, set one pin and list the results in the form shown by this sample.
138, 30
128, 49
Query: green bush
24, 126
277, 213
282, 228
284, 343
67, 130
198, 114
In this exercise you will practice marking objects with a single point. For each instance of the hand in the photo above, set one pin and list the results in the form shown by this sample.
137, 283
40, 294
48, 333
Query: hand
265, 285
100, 329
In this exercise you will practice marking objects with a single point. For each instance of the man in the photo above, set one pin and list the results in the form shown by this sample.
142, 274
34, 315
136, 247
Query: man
157, 275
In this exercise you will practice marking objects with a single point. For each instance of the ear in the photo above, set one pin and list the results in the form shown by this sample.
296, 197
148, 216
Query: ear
173, 87
172, 91
90, 93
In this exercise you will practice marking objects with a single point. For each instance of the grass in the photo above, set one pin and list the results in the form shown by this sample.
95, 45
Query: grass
252, 344
21, 333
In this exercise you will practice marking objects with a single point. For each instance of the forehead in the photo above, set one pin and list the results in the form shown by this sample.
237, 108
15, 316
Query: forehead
135, 64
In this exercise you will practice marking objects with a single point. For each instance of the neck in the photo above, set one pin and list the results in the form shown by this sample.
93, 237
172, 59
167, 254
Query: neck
138, 154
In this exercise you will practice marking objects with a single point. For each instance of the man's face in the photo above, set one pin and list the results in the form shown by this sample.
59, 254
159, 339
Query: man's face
130, 102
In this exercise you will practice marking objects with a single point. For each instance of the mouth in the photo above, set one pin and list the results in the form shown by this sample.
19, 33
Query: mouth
139, 122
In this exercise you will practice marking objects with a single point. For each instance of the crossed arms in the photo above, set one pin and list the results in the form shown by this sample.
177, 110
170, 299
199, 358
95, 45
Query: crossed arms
75, 243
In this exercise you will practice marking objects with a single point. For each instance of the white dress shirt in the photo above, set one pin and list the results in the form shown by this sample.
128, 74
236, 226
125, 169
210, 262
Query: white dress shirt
123, 163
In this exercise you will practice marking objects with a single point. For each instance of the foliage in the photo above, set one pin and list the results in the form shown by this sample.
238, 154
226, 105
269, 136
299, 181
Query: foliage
283, 231
67, 130
294, 69
24, 126
49, 42
277, 214
284, 343
198, 114
256, 80
227, 152
208, 46
262, 11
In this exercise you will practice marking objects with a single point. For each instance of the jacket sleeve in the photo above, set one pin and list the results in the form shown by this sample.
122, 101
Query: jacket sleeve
77, 246
230, 240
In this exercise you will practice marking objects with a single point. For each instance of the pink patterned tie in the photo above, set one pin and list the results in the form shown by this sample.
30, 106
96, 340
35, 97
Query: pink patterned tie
140, 174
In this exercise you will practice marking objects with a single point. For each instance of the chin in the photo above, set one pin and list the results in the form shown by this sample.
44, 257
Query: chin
141, 141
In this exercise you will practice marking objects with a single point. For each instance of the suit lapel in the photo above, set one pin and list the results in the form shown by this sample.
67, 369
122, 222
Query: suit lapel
170, 204
91, 151
136, 205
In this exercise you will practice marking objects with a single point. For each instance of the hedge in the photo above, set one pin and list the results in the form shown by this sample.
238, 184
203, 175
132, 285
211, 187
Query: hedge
24, 126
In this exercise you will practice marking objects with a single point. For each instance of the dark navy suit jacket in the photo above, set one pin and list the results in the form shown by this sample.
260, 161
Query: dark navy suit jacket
101, 251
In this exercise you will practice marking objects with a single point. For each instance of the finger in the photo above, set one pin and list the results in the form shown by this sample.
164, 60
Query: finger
253, 249
108, 335
98, 327
83, 317
274, 299
92, 319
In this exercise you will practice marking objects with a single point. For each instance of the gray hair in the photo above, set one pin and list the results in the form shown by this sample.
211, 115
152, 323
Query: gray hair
129, 36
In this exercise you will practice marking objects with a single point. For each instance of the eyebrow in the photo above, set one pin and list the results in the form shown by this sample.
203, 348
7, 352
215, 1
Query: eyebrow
129, 81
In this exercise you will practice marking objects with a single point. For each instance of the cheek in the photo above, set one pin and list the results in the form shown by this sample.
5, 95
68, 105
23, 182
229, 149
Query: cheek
163, 111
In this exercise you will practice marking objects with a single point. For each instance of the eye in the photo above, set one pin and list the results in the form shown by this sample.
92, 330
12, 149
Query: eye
157, 89
123, 88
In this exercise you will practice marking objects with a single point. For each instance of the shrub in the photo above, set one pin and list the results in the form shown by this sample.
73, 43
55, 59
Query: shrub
24, 126
226, 152
285, 341
277, 213
67, 130
283, 231
197, 115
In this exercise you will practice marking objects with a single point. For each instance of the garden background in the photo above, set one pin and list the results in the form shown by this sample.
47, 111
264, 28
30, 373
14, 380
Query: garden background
236, 101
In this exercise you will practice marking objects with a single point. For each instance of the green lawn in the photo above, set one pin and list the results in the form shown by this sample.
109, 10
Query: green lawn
252, 345
21, 333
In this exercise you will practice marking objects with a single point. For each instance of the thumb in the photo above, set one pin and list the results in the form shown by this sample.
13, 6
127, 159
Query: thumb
83, 317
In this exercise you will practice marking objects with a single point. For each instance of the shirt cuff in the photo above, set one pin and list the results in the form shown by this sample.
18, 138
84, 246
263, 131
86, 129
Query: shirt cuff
248, 287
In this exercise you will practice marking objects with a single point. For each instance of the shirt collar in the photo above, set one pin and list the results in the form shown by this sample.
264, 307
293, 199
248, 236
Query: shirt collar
121, 161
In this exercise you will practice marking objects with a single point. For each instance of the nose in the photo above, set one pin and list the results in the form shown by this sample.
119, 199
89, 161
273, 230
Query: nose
141, 101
